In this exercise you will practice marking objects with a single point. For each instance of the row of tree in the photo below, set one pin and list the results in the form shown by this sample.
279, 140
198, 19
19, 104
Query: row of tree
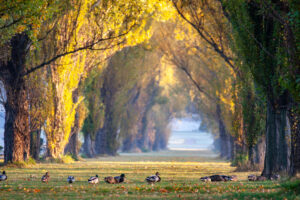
237, 61
259, 42
47, 50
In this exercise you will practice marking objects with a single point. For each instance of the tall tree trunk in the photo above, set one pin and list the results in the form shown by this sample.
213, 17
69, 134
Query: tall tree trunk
100, 141
251, 155
89, 146
106, 138
260, 152
277, 158
16, 128
224, 139
295, 137
35, 144
72, 146
256, 155
143, 141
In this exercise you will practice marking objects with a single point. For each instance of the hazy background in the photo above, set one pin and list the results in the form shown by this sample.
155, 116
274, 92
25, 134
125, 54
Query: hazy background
185, 135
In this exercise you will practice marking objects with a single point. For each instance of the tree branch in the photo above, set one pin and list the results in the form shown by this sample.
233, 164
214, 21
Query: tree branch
88, 46
211, 43
10, 24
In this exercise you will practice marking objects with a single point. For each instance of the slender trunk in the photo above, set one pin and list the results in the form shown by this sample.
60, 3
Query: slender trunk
16, 132
89, 146
224, 139
72, 146
101, 144
251, 155
230, 154
295, 137
260, 152
35, 144
143, 142
106, 138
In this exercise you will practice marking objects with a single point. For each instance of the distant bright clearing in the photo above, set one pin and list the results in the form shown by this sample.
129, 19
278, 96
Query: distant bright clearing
185, 135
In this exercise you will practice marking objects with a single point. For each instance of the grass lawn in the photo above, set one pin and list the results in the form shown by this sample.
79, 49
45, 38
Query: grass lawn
180, 172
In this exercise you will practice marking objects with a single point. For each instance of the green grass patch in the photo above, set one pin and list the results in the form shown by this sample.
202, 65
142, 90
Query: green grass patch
180, 173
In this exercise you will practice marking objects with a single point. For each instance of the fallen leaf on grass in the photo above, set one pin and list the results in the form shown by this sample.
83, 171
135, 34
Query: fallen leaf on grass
36, 190
163, 190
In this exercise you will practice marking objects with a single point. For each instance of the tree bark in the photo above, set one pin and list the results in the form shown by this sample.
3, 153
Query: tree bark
35, 144
260, 152
72, 146
89, 146
225, 143
295, 137
277, 158
16, 128
143, 141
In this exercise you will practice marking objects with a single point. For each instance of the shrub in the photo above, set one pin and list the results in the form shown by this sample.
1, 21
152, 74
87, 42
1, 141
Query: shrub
22, 164
68, 158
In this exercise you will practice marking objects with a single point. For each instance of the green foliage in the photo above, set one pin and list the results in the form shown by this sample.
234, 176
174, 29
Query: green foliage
261, 46
27, 16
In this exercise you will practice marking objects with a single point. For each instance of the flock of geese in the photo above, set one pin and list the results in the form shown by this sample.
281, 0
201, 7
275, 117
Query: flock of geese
152, 179
95, 179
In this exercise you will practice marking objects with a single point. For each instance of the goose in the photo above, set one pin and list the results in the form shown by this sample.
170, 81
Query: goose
233, 178
3, 177
252, 177
261, 178
205, 179
93, 179
274, 177
45, 178
114, 180
215, 178
226, 178
153, 179
71, 179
